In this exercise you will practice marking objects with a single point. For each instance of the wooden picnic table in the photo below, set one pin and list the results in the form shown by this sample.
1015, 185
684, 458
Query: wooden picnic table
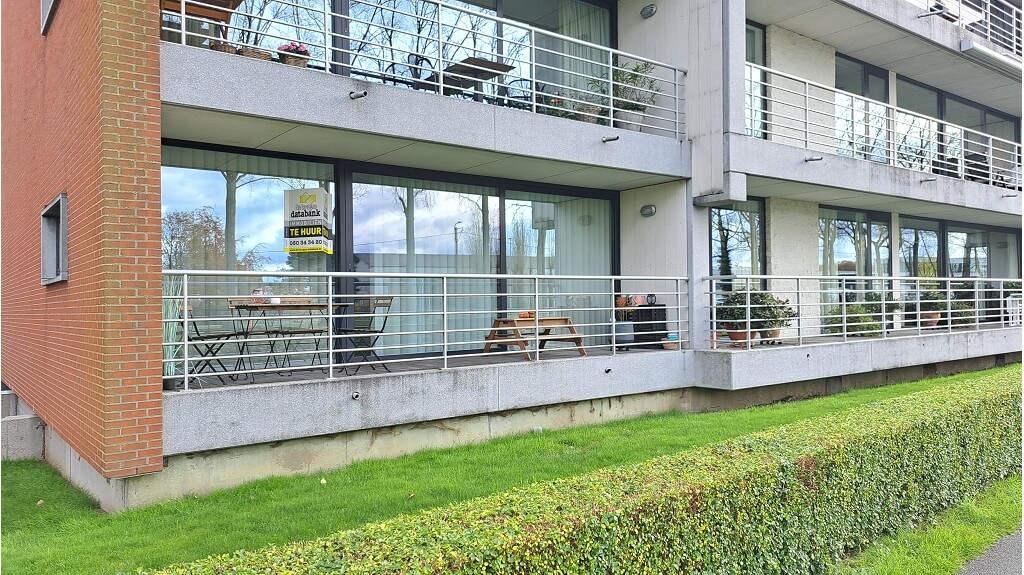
519, 331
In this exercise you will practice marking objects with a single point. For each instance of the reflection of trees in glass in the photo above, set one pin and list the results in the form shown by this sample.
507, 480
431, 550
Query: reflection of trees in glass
271, 23
861, 128
195, 239
385, 32
735, 238
919, 252
847, 242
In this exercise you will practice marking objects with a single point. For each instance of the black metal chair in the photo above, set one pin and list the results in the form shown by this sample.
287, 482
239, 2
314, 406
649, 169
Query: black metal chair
364, 333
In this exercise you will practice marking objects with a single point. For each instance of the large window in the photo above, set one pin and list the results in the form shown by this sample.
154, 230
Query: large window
932, 248
737, 238
853, 242
224, 210
861, 124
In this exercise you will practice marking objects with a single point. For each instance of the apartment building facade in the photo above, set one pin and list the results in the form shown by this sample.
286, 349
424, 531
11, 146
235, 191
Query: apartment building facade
248, 237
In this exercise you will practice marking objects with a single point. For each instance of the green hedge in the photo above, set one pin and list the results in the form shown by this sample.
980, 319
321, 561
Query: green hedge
788, 500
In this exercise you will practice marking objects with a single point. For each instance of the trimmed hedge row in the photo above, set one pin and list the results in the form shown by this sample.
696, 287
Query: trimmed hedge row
787, 500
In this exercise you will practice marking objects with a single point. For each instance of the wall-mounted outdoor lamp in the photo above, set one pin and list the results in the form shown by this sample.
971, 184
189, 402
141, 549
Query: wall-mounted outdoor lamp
648, 210
357, 95
813, 159
607, 139
648, 11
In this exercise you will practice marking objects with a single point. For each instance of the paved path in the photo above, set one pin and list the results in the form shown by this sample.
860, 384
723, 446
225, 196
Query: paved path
1003, 558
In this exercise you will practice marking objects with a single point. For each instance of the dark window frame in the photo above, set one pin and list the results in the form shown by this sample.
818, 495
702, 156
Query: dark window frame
53, 239
944, 96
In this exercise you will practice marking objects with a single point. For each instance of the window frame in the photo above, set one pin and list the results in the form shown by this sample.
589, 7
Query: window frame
53, 240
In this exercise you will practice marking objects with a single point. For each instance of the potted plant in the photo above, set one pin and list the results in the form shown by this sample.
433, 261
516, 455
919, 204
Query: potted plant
172, 331
931, 303
852, 319
293, 54
633, 90
770, 315
622, 324
873, 303
731, 314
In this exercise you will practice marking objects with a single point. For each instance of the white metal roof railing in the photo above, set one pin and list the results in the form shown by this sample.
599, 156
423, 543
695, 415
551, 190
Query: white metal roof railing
785, 108
998, 21
217, 330
804, 310
427, 45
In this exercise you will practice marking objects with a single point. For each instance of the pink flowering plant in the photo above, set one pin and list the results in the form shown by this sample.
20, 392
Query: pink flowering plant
294, 48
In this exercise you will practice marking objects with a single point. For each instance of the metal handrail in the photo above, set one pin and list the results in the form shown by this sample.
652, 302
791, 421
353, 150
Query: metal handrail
823, 118
805, 310
225, 334
577, 86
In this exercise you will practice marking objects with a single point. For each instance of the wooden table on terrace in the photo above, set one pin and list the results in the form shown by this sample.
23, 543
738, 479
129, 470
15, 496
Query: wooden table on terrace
519, 331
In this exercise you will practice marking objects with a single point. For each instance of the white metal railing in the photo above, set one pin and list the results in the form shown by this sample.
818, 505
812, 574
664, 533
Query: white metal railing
791, 110
439, 47
998, 21
216, 330
752, 310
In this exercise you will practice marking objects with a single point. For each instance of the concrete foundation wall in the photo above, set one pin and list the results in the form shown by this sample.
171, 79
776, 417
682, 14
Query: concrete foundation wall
744, 370
197, 473
208, 419
22, 437
204, 472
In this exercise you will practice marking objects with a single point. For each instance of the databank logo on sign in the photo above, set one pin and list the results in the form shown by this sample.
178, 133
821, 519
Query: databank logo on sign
307, 221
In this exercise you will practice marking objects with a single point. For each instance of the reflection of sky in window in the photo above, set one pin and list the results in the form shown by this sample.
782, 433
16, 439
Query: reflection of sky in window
259, 211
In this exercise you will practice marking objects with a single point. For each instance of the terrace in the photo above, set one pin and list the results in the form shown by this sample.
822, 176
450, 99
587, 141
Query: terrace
446, 49
326, 326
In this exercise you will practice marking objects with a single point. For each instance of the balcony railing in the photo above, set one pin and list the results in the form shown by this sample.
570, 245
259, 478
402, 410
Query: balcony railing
753, 310
316, 325
787, 109
995, 20
451, 50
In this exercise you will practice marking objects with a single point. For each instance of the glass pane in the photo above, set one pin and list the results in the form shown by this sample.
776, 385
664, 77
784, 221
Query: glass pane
915, 98
755, 45
559, 235
1004, 250
224, 211
967, 252
843, 243
737, 239
849, 76
919, 248
572, 18
878, 87
427, 227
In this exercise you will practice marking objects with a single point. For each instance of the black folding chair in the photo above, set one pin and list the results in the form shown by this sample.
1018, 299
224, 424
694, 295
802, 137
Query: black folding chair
363, 334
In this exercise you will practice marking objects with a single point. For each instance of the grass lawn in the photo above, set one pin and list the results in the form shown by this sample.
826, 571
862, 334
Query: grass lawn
959, 535
67, 535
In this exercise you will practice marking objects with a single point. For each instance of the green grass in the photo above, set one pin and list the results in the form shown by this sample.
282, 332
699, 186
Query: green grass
959, 535
77, 539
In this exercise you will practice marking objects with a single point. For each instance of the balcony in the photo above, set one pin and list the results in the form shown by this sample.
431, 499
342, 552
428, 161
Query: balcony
997, 21
446, 50
786, 109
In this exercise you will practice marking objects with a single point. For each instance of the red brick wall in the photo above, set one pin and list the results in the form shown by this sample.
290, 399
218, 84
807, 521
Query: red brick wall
81, 114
